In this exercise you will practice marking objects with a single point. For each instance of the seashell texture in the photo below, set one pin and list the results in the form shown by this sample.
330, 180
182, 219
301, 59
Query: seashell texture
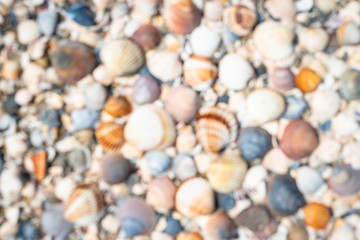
72, 61
253, 143
350, 84
307, 80
204, 42
189, 236
47, 21
308, 180
282, 79
122, 57
312, 39
147, 36
160, 135
299, 140
317, 215
11, 69
298, 231
240, 19
226, 173
281, 9
39, 161
54, 223
117, 106
348, 34
158, 162
182, 17
219, 227
199, 73
344, 180
27, 32
114, 168
235, 72
164, 65
264, 105
295, 107
284, 198
184, 167
324, 105
182, 103
110, 136
161, 193
195, 197
136, 217
146, 90
215, 128
84, 205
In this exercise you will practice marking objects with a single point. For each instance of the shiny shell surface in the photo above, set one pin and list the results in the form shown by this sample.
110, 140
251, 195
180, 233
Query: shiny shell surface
40, 165
307, 80
219, 227
164, 65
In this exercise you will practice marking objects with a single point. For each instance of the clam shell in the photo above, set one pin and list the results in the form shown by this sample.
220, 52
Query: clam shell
199, 73
307, 80
161, 193
350, 84
195, 197
118, 106
219, 227
240, 19
324, 105
312, 39
299, 140
189, 236
226, 173
164, 65
215, 128
110, 136
348, 34
308, 180
317, 215
184, 167
114, 168
146, 90
204, 41
282, 79
344, 180
158, 162
147, 36
295, 107
298, 231
40, 165
84, 205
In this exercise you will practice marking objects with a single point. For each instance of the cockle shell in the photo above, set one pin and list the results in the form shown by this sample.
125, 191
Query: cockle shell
215, 128
117, 106
114, 168
344, 180
307, 80
282, 79
350, 84
110, 136
219, 227
147, 36
317, 215
312, 39
164, 65
281, 9
204, 41
161, 193
199, 73
348, 34
40, 165
195, 197
189, 236
240, 19
344, 231
324, 105
308, 180
146, 90
84, 205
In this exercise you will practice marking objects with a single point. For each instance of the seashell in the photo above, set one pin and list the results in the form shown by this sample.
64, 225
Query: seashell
158, 162
94, 89
23, 97
85, 205
11, 69
110, 136
182, 17
173, 226
273, 40
344, 180
184, 167
284, 198
240, 19
324, 105
215, 128
325, 6
295, 107
147, 36
199, 73
145, 90
280, 9
308, 180
282, 79
15, 146
54, 223
276, 161
307, 80
350, 84
312, 39
219, 227
160, 135
182, 103
114, 168
264, 105
27, 230
345, 231
122, 57
84, 118
27, 32
149, 7
297, 231
348, 34
235, 72
72, 61
39, 161
186, 139
47, 21
204, 42
213, 10
299, 140
189, 236
253, 143
226, 173
195, 197
80, 14
161, 193
136, 217
317, 215
164, 65
117, 106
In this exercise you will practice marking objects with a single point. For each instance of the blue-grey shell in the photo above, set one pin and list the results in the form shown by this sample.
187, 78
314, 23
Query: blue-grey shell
295, 107
158, 162
81, 14
47, 21
345, 180
173, 226
54, 223
85, 118
350, 84
254, 142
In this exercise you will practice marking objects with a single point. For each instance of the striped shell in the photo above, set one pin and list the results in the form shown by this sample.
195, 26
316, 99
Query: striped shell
240, 19
195, 197
161, 193
215, 128
189, 236
84, 205
117, 106
110, 136
345, 181
40, 165
219, 227
199, 73
317, 215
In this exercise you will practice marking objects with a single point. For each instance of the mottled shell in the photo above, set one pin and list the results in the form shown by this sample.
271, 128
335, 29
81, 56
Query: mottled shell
114, 168
117, 106
204, 41
146, 90
295, 107
195, 197
299, 140
199, 73
307, 80
348, 34
161, 193
189, 236
317, 215
308, 180
226, 173
324, 105
240, 19
40, 165
298, 231
215, 128
122, 57
164, 65
147, 36
136, 217
264, 105
345, 181
312, 39
282, 79
350, 84
253, 143
84, 205
110, 136
158, 162
219, 227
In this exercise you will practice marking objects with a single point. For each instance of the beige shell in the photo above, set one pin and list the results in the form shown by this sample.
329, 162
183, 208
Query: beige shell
324, 105
312, 39
240, 19
11, 69
161, 193
348, 33
199, 73
164, 65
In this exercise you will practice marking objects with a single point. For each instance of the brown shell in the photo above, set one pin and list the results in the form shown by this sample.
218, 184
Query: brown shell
40, 165
117, 106
199, 72
307, 80
110, 136
317, 215
299, 140
147, 36
219, 227
298, 231
189, 236
161, 193
240, 19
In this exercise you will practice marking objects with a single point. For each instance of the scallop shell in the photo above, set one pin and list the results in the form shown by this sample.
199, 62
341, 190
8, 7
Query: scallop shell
312, 39
215, 128
189, 236
317, 215
84, 205
110, 136
147, 36
158, 162
324, 105
345, 181
195, 197
117, 106
204, 41
114, 168
40, 165
199, 73
161, 193
219, 227
226, 173
264, 105
164, 65
282, 79
350, 84
298, 231
307, 80
240, 19
308, 180
348, 34
146, 90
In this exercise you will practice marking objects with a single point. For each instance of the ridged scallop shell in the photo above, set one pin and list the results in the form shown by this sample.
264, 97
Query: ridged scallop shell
199, 73
40, 165
282, 79
264, 105
84, 205
110, 136
240, 19
307, 80
195, 197
147, 36
164, 65
219, 227
204, 41
345, 181
226, 173
122, 57
215, 128
324, 105
189, 236
114, 168
317, 215
117, 106
161, 193
308, 180
344, 231
312, 39
350, 84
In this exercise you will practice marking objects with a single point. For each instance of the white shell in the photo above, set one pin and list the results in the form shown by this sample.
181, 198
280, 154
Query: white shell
276, 161
235, 71
164, 65
328, 150
15, 146
324, 105
344, 125
204, 41
23, 97
213, 10
184, 167
281, 9
312, 39
352, 154
28, 31
308, 180
348, 33
344, 231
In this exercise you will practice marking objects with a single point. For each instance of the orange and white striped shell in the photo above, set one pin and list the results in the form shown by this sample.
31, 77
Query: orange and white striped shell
110, 136
117, 106
39, 161
199, 73
240, 19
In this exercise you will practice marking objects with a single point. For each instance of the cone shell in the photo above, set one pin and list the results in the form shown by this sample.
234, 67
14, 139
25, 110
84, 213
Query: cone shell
161, 193
307, 80
195, 197
84, 205
110, 136
298, 231
199, 73
282, 79
226, 173
317, 215
219, 227
240, 19
215, 128
299, 140
147, 36
114, 168
40, 165
164, 65
345, 181
189, 236
350, 84
118, 106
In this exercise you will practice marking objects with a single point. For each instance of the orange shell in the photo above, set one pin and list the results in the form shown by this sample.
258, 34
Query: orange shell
117, 107
189, 236
240, 19
110, 136
40, 163
199, 72
307, 80
317, 215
